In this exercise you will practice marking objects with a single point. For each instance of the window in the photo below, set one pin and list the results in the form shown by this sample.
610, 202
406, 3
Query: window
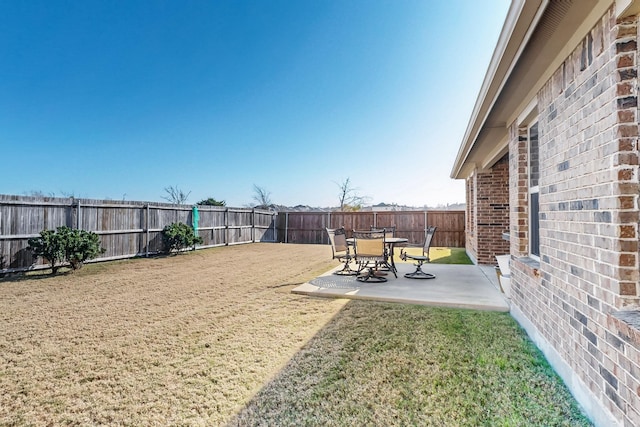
534, 191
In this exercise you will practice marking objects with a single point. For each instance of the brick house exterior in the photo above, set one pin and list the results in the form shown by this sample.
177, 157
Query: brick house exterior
488, 213
550, 160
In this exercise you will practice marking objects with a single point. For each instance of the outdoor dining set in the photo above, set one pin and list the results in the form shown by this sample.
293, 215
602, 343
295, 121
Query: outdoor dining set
371, 253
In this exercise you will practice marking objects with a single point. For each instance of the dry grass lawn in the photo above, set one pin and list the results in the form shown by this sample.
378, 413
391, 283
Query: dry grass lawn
183, 340
215, 337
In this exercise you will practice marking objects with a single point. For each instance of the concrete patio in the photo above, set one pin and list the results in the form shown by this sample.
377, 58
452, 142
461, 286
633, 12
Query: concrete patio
460, 286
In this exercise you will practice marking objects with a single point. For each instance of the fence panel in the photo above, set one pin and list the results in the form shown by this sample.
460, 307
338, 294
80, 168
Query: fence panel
309, 227
264, 224
306, 227
120, 227
353, 221
450, 228
211, 225
126, 229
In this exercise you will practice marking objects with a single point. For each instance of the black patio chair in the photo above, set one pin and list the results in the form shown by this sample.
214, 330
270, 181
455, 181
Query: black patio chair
341, 251
389, 231
420, 259
371, 255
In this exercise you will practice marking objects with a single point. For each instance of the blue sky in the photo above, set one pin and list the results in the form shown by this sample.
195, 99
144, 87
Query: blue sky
120, 99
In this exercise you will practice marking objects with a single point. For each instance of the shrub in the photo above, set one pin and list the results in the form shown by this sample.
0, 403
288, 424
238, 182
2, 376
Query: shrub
49, 247
80, 246
66, 244
179, 236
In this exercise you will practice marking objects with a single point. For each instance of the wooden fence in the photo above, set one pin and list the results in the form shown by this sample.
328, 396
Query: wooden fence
126, 229
130, 229
309, 227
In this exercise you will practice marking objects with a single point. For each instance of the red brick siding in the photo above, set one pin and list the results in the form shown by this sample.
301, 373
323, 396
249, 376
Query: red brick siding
492, 212
589, 189
488, 212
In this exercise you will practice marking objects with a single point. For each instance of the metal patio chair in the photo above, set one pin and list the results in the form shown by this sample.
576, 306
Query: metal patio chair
371, 255
388, 232
420, 259
341, 251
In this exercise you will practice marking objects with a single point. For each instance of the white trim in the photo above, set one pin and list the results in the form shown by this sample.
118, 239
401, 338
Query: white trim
533, 27
532, 189
627, 8
513, 16
580, 33
529, 113
497, 153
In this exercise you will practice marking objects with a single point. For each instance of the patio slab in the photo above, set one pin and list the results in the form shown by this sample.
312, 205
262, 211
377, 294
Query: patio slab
459, 286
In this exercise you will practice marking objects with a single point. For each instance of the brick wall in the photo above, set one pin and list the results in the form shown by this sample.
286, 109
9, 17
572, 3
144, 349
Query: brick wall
492, 195
578, 295
488, 212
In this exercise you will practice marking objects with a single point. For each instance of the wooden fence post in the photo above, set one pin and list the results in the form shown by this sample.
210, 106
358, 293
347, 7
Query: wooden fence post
328, 226
426, 225
146, 228
79, 217
286, 227
226, 226
253, 225
275, 230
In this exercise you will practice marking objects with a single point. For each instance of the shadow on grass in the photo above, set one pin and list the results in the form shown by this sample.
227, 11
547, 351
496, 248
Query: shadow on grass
399, 364
30, 275
90, 267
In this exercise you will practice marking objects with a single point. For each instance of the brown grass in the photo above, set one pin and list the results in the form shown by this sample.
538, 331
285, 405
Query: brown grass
215, 337
186, 339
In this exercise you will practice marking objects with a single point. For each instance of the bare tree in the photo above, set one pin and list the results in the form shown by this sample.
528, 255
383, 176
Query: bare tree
39, 193
261, 196
175, 195
348, 197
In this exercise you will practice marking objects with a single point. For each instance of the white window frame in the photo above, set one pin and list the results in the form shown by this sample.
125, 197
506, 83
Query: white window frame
526, 119
533, 189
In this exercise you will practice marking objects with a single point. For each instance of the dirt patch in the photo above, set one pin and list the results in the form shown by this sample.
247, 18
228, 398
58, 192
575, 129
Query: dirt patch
186, 339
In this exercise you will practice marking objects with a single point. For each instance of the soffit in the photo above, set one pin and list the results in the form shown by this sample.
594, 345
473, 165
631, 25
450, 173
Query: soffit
543, 31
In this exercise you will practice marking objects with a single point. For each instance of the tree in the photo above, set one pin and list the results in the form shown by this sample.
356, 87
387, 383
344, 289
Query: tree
348, 197
212, 202
39, 193
261, 196
175, 195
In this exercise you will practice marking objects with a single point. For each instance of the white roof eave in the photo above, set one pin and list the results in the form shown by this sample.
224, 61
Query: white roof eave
504, 58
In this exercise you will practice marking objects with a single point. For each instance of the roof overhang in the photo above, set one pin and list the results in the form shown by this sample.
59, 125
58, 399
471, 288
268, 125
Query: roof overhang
537, 36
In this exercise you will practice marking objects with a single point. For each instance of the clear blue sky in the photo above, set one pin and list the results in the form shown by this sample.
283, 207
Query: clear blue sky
120, 99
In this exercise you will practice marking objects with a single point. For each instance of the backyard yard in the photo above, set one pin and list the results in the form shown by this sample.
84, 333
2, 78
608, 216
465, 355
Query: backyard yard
215, 337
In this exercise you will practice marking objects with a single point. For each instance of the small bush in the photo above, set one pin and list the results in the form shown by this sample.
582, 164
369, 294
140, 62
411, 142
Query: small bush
49, 247
66, 245
80, 246
179, 236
